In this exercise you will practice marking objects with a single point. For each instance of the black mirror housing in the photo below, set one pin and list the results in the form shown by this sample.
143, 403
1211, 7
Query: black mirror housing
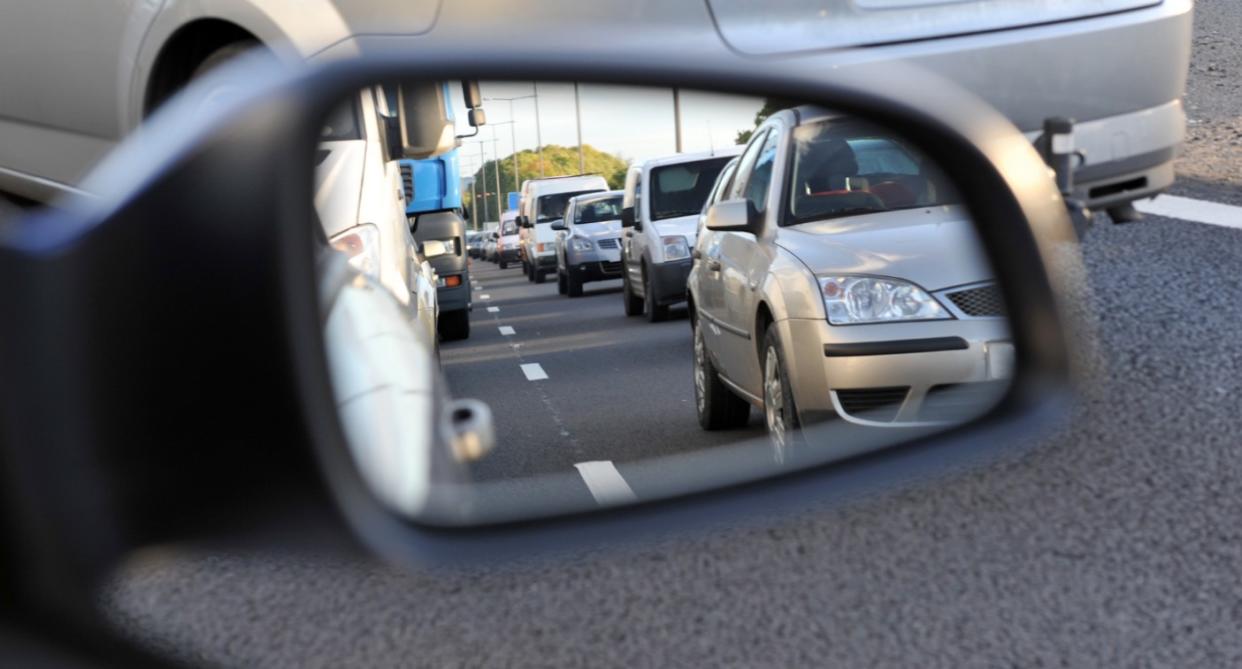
627, 217
559, 225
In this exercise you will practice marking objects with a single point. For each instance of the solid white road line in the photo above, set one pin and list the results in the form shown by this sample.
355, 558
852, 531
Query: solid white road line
492, 310
485, 296
534, 372
1197, 211
605, 482
507, 330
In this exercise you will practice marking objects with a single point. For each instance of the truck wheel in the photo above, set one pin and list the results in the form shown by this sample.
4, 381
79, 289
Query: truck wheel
573, 284
503, 264
633, 303
562, 284
655, 312
455, 325
539, 276
717, 406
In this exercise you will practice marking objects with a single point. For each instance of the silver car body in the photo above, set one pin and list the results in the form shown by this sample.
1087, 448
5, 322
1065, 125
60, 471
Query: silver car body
76, 81
539, 243
593, 249
743, 284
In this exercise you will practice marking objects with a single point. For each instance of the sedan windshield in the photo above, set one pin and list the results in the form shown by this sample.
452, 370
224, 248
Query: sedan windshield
681, 189
596, 211
552, 207
846, 168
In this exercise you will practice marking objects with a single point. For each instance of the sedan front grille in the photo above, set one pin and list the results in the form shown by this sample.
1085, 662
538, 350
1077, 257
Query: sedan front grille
608, 243
980, 302
610, 267
881, 404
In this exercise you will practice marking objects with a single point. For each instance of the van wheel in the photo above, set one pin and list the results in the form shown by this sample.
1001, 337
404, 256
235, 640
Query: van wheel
655, 313
561, 284
455, 325
779, 411
573, 284
633, 303
503, 264
539, 276
717, 406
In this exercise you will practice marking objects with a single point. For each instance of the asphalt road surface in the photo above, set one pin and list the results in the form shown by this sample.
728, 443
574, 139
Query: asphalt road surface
1115, 542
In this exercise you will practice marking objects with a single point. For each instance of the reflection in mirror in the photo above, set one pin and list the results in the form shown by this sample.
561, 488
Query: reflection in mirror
791, 287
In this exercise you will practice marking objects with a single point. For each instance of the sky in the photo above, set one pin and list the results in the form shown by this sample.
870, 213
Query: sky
635, 123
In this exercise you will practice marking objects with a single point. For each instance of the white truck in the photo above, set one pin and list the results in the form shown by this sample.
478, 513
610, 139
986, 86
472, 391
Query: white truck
660, 214
543, 203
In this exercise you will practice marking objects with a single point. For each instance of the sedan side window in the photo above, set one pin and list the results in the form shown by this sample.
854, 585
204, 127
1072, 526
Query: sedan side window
761, 175
745, 164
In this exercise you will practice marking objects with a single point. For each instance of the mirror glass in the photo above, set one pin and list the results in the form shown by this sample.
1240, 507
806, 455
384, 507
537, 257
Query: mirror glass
541, 359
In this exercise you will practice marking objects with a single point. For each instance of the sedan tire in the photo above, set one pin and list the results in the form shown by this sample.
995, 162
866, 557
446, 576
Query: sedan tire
718, 408
633, 303
779, 410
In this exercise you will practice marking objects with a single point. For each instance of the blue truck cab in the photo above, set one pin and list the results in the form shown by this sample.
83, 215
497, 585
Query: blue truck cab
434, 209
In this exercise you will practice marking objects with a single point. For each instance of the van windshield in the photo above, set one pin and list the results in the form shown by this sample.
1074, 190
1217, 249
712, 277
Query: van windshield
509, 228
552, 207
681, 189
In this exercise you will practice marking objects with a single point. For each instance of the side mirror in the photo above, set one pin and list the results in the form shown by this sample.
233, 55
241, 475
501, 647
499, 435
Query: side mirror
476, 117
426, 129
465, 213
471, 96
434, 248
734, 216
627, 217
495, 235
559, 225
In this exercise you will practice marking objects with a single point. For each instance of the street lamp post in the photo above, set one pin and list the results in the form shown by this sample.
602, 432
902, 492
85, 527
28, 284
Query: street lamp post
578, 113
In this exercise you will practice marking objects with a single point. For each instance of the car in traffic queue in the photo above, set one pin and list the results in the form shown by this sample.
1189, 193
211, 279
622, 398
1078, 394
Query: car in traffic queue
507, 240
838, 277
661, 206
543, 203
474, 244
588, 241
361, 204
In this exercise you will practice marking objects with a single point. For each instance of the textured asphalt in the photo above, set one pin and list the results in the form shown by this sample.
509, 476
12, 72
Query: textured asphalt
1116, 542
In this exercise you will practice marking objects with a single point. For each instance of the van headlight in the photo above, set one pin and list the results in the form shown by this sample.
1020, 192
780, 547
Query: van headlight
675, 247
580, 244
851, 300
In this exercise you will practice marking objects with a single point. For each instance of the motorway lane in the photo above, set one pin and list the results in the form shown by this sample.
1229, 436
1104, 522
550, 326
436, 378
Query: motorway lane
1114, 542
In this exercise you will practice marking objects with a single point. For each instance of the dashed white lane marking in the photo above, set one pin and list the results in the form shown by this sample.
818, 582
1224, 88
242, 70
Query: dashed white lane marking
507, 330
605, 482
1189, 209
534, 371
492, 310
485, 296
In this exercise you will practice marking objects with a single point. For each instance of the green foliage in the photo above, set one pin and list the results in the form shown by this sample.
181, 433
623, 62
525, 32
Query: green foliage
557, 161
770, 107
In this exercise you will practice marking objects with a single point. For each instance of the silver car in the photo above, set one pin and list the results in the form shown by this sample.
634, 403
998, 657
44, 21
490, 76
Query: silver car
837, 277
588, 241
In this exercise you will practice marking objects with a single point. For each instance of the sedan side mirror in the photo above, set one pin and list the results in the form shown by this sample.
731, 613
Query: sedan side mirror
734, 216
559, 225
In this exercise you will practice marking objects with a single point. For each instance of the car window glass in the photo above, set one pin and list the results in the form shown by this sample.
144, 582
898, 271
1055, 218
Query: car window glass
745, 164
761, 176
552, 207
596, 211
681, 189
844, 168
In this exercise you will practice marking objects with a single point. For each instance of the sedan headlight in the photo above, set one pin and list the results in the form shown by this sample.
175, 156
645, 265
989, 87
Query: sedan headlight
361, 245
580, 244
675, 247
865, 299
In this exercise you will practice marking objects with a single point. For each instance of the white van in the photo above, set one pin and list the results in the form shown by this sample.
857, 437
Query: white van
507, 240
660, 215
543, 202
361, 205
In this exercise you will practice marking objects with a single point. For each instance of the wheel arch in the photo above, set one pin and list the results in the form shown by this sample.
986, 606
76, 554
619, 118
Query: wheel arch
182, 53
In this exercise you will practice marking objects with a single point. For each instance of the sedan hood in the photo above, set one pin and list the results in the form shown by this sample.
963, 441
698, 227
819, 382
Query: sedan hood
934, 247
